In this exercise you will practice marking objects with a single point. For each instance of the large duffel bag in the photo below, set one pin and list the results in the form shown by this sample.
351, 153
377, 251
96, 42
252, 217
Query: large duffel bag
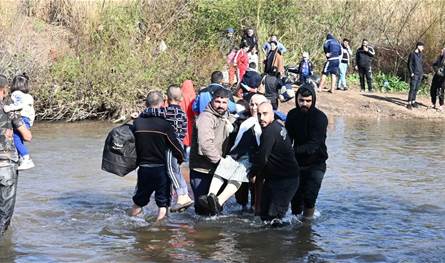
119, 155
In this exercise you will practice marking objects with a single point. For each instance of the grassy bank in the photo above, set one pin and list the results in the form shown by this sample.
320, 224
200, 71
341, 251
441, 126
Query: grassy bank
101, 57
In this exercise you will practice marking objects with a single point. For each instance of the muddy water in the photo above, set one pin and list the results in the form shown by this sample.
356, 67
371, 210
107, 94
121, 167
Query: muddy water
382, 200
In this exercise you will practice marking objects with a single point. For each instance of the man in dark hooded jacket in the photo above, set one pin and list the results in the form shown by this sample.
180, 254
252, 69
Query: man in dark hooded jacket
306, 126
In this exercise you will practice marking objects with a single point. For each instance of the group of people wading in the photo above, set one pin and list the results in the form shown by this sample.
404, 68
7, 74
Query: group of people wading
234, 147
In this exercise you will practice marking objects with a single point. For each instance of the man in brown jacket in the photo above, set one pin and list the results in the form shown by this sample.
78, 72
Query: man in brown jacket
210, 132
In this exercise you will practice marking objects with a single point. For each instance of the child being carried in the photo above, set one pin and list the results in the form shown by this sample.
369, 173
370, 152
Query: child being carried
23, 102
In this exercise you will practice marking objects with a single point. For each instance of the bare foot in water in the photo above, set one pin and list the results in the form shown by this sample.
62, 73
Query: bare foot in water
135, 210
162, 214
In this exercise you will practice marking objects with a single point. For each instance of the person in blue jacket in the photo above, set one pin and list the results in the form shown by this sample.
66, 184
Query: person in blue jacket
205, 95
305, 68
333, 52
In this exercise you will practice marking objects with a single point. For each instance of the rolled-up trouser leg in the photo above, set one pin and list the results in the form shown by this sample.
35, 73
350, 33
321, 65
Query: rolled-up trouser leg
8, 188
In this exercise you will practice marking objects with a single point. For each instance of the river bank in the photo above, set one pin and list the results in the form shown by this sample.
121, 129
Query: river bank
352, 103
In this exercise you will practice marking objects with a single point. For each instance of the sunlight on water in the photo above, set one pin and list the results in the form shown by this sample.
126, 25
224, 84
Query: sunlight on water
381, 200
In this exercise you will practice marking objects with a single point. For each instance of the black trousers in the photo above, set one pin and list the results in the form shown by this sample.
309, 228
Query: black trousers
8, 189
152, 179
310, 183
414, 86
437, 89
242, 195
365, 73
276, 196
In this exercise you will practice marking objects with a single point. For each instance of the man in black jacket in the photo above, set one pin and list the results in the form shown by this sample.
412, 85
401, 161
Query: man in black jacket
276, 164
307, 127
438, 83
415, 67
363, 60
250, 39
272, 85
251, 81
153, 137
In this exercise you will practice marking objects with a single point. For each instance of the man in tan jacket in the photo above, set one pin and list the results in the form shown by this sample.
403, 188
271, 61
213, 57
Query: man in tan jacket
211, 130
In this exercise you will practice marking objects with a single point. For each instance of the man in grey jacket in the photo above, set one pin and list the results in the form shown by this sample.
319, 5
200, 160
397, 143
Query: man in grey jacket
210, 132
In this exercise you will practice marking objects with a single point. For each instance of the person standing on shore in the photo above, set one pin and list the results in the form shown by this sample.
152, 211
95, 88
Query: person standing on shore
305, 68
250, 39
241, 61
266, 47
8, 157
438, 83
307, 127
273, 64
363, 61
332, 50
344, 63
415, 68
227, 42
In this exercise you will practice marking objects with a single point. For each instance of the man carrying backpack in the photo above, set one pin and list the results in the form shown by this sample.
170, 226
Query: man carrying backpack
153, 137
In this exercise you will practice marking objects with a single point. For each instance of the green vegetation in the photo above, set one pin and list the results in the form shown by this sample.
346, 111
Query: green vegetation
115, 56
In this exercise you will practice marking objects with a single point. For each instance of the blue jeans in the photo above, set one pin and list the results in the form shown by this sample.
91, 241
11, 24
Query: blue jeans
200, 183
18, 139
343, 68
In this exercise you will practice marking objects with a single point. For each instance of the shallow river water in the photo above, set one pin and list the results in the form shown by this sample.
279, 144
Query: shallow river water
382, 200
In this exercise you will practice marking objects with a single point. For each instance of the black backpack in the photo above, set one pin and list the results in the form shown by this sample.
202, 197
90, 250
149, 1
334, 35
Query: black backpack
119, 155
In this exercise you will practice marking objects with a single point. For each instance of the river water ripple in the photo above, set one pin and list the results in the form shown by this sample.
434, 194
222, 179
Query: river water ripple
382, 200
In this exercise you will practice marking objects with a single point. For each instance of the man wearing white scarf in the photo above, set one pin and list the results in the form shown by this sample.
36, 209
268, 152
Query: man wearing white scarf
235, 167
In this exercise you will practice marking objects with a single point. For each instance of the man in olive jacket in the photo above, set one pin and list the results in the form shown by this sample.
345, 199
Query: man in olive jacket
210, 132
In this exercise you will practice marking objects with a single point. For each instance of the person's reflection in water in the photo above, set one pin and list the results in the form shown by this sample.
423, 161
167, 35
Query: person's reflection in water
164, 243
183, 242
216, 243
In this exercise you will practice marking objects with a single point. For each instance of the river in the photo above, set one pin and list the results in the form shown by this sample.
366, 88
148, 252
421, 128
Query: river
382, 200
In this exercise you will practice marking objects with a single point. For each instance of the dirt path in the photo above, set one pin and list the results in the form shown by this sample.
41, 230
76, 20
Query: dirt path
352, 103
